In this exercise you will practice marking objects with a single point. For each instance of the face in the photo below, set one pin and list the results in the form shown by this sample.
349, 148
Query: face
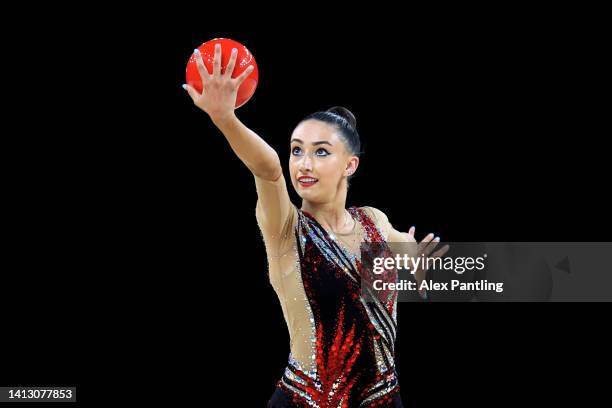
319, 161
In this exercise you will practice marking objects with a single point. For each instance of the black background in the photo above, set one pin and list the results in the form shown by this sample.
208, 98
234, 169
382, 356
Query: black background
136, 258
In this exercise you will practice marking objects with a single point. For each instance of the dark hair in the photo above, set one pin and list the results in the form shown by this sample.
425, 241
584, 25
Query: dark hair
343, 120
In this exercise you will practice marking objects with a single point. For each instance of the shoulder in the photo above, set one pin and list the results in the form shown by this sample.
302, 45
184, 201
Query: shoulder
377, 215
279, 238
380, 220
281, 228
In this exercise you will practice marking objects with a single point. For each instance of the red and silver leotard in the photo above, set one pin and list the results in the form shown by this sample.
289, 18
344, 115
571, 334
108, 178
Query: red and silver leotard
352, 341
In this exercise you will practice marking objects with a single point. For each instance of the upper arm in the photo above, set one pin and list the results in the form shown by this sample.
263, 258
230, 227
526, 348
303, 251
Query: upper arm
274, 210
396, 236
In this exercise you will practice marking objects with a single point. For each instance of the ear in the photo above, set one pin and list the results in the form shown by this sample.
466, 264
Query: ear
351, 166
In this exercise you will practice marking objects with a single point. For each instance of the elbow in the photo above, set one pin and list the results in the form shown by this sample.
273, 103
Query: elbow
270, 170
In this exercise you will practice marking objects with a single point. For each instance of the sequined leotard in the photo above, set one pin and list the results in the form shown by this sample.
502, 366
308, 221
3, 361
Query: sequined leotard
342, 347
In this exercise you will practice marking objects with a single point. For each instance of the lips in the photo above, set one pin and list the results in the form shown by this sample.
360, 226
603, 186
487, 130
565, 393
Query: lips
307, 181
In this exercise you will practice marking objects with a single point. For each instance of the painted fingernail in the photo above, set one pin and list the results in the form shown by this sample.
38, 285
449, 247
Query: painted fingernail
196, 51
184, 86
234, 50
437, 239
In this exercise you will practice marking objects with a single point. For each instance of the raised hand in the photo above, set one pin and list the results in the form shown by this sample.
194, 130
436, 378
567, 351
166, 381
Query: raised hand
218, 97
425, 248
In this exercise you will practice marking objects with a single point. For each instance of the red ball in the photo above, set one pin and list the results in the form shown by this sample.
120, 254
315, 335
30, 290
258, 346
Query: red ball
244, 58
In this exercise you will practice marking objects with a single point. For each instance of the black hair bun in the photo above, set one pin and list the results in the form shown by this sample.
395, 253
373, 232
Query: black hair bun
344, 113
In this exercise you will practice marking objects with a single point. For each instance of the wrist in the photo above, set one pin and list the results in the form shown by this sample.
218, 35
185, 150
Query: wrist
224, 120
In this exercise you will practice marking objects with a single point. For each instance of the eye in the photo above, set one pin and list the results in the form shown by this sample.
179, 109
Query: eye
296, 151
322, 152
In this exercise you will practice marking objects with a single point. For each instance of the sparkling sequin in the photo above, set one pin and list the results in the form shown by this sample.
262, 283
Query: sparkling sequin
351, 340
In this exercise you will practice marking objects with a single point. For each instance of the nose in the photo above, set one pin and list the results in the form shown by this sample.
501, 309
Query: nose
305, 163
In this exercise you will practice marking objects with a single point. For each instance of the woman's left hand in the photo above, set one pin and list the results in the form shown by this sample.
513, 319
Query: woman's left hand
424, 248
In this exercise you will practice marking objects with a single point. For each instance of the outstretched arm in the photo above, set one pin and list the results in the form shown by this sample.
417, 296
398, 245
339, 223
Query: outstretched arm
218, 99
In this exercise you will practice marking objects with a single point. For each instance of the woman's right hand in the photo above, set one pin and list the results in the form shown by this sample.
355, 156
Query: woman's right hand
218, 97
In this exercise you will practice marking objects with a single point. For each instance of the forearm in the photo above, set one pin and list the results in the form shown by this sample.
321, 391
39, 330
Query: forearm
261, 159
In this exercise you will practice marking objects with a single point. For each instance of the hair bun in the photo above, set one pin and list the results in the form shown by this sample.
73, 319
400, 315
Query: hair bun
344, 113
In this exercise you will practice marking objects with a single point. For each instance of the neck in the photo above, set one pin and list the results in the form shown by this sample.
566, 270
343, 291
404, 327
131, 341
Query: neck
331, 215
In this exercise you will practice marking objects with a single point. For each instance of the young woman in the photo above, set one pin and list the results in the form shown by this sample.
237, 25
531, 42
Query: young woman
342, 346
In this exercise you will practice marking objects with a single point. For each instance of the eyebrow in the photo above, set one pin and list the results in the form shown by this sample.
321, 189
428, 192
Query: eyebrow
295, 139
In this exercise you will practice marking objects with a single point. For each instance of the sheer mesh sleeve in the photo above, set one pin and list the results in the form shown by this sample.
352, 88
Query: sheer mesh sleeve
276, 215
381, 221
